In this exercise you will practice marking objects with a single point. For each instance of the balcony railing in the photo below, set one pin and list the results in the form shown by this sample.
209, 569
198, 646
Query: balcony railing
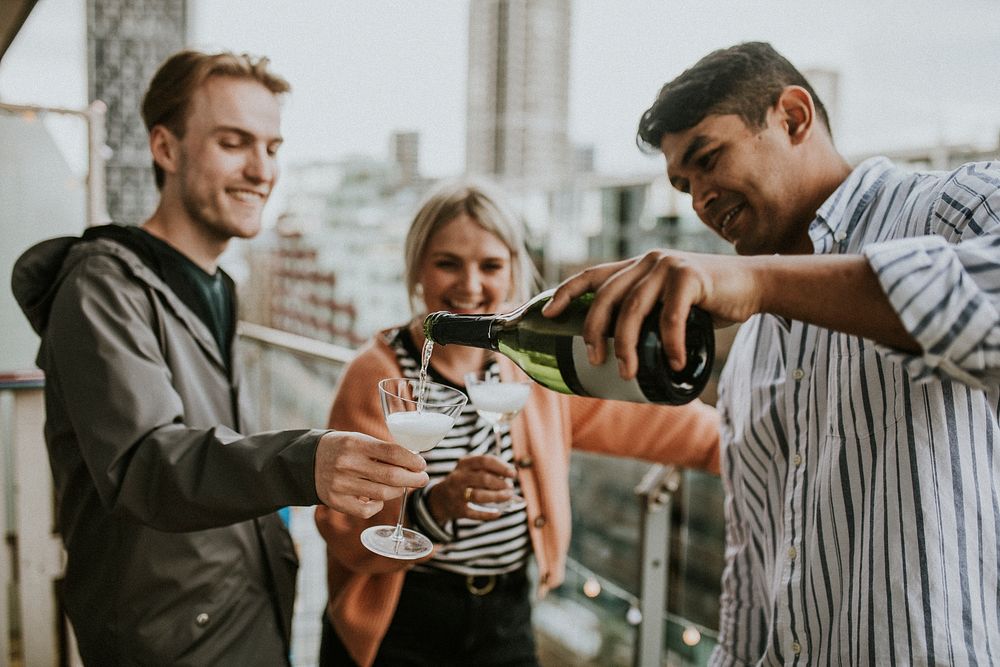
634, 526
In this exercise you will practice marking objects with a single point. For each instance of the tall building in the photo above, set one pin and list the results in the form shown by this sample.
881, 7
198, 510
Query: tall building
126, 41
518, 90
404, 152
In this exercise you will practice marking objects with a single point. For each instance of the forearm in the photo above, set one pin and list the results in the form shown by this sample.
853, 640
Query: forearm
838, 292
182, 479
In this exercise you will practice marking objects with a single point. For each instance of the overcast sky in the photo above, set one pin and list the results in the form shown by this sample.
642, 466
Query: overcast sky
912, 72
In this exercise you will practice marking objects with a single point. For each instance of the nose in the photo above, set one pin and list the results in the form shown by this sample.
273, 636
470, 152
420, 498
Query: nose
472, 279
703, 195
261, 166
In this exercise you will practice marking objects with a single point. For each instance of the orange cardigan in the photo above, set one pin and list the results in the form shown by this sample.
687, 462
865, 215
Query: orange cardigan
364, 588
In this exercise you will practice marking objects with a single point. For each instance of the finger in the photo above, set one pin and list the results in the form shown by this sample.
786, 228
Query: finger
476, 463
673, 320
487, 496
495, 466
392, 453
606, 300
480, 515
395, 477
636, 305
362, 477
586, 281
354, 506
489, 481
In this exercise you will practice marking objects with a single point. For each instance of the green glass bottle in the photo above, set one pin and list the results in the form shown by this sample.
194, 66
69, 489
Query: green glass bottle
552, 352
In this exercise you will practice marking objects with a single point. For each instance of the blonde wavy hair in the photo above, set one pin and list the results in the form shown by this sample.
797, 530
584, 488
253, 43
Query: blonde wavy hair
484, 204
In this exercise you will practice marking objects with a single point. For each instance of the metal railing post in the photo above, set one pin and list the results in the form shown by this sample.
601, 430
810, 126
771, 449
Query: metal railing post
655, 494
97, 153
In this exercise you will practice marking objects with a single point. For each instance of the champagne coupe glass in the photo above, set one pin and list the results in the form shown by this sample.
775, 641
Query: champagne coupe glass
497, 402
417, 422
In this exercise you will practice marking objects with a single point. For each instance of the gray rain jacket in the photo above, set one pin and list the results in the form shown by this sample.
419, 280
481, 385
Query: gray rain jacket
175, 555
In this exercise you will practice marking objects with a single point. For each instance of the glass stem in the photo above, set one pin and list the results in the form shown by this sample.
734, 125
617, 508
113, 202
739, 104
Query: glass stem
397, 534
497, 440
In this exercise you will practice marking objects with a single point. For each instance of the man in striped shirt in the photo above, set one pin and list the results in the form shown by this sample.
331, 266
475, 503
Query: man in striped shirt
860, 400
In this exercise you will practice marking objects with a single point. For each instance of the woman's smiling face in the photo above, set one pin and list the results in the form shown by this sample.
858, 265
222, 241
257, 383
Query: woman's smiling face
465, 269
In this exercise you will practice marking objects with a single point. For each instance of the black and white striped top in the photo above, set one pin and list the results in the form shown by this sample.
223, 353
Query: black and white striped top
467, 546
863, 484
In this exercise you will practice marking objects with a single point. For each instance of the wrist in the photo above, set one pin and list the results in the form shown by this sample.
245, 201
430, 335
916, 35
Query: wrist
432, 498
770, 284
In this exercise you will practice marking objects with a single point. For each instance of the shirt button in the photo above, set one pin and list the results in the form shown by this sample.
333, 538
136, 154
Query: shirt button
798, 374
201, 619
797, 460
539, 521
791, 553
796, 648
840, 235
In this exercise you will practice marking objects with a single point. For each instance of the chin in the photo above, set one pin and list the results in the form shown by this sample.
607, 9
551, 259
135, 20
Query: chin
245, 229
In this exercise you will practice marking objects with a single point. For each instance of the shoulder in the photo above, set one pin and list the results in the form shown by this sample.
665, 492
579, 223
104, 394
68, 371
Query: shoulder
100, 274
374, 361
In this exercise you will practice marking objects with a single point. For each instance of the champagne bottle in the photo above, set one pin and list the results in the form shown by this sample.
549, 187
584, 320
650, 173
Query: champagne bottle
552, 352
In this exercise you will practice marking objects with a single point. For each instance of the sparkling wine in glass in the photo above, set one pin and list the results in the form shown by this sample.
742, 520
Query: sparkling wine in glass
417, 423
497, 402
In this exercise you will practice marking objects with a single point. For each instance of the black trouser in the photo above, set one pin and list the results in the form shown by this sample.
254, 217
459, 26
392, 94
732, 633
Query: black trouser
445, 619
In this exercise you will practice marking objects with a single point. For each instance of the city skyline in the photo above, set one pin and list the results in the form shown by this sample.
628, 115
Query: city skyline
911, 73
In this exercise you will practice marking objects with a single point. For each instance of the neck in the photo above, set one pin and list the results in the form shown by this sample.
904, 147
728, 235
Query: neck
452, 361
186, 236
833, 171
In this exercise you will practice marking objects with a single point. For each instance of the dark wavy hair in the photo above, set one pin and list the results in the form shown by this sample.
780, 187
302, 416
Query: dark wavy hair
745, 79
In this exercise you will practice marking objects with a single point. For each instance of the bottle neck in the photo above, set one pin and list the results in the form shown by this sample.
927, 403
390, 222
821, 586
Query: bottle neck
469, 330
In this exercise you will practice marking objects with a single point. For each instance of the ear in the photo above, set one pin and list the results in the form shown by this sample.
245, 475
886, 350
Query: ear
797, 113
165, 148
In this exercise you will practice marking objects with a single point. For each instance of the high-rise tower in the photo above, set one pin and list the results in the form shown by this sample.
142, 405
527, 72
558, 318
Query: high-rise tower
518, 90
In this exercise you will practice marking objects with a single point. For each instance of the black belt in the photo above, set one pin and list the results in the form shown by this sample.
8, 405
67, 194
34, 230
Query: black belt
475, 584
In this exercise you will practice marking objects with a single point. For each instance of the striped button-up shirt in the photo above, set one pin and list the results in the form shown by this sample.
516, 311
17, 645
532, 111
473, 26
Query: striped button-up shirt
862, 483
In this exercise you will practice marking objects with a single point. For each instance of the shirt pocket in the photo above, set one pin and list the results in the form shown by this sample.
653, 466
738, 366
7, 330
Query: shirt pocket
863, 390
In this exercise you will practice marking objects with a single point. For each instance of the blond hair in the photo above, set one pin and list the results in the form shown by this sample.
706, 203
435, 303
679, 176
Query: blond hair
486, 206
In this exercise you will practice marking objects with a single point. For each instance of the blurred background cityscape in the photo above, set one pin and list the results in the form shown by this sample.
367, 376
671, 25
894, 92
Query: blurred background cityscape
540, 95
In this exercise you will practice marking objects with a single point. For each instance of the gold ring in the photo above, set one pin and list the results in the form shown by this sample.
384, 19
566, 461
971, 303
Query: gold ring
468, 493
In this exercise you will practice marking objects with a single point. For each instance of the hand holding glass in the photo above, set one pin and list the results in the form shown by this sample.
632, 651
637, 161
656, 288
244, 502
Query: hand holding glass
497, 402
418, 425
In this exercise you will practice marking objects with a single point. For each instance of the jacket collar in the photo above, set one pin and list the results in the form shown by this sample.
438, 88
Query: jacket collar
144, 274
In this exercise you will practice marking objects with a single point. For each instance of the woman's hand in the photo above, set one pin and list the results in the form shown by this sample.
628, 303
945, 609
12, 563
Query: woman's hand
475, 479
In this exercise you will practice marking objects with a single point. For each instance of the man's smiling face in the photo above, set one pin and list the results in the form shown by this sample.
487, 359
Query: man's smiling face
743, 182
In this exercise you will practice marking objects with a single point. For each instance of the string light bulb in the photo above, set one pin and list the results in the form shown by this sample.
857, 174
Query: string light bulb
592, 587
633, 615
691, 636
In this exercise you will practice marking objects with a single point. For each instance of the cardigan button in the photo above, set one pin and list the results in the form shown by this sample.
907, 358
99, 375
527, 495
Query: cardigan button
540, 522
525, 462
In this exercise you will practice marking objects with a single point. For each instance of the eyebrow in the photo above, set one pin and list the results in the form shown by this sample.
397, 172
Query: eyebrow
221, 129
696, 145
446, 254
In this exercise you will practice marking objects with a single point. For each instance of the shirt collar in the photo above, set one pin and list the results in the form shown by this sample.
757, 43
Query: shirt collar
832, 224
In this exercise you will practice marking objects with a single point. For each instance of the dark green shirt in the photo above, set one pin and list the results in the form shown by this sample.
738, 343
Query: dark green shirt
212, 297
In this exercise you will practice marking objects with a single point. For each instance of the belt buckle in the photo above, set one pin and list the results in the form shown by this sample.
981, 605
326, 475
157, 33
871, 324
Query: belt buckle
485, 589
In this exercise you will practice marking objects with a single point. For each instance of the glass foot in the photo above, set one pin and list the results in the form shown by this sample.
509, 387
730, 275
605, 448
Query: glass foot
380, 540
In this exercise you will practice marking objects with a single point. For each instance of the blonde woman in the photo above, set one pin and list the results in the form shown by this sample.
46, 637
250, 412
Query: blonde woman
469, 602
